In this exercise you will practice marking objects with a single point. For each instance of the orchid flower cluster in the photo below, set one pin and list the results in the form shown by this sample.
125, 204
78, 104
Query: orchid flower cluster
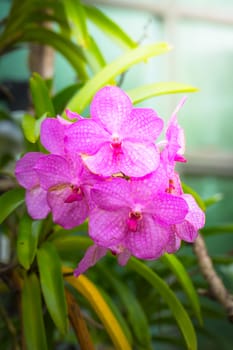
109, 169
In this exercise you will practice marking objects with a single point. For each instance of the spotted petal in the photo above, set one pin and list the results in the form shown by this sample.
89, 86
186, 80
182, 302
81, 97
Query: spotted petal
68, 215
111, 106
170, 209
52, 134
36, 201
85, 136
112, 195
138, 159
143, 125
53, 170
24, 172
149, 241
107, 228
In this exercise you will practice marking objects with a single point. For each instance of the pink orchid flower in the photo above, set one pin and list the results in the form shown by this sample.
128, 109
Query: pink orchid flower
36, 196
128, 213
118, 137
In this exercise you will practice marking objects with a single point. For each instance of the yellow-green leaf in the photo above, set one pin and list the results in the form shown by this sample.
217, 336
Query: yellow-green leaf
32, 314
40, 96
109, 72
52, 285
91, 293
164, 88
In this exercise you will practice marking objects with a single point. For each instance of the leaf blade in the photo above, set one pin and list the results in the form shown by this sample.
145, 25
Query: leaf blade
9, 201
52, 285
156, 89
178, 269
33, 324
109, 72
91, 293
174, 304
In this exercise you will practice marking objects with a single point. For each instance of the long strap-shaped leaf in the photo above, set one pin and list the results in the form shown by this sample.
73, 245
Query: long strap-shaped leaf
156, 89
91, 293
178, 269
174, 304
121, 64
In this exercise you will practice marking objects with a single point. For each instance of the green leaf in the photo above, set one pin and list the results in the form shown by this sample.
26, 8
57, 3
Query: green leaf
69, 246
27, 240
76, 13
61, 99
52, 285
164, 88
110, 28
9, 201
40, 96
32, 314
28, 125
216, 230
178, 269
66, 47
217, 197
94, 56
121, 64
196, 196
134, 312
170, 298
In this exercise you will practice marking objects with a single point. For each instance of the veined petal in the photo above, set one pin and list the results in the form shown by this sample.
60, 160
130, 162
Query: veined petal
36, 201
53, 170
195, 215
138, 159
24, 172
107, 228
186, 231
169, 209
85, 136
52, 135
103, 162
149, 241
143, 125
113, 194
111, 106
68, 215
174, 241
92, 255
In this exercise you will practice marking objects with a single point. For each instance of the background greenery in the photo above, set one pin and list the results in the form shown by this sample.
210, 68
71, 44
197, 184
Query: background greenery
147, 314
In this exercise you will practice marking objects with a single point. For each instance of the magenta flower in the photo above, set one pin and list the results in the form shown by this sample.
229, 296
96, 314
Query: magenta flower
118, 137
67, 184
36, 196
128, 214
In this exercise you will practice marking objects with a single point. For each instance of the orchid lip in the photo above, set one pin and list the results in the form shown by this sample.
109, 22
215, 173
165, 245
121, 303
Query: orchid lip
75, 196
132, 222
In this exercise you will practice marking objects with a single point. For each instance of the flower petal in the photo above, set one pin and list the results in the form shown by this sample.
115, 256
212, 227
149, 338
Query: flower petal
36, 201
103, 162
53, 170
110, 106
143, 125
138, 159
52, 135
92, 255
170, 209
24, 172
107, 228
174, 241
68, 215
112, 195
85, 136
149, 241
